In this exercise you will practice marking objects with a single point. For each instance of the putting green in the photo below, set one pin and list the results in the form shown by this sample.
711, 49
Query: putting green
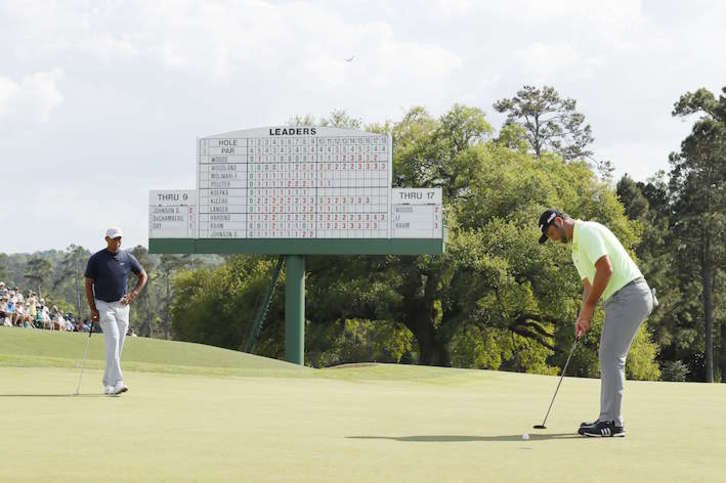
232, 416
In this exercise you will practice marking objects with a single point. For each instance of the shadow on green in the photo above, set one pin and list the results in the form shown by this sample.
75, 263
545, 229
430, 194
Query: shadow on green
52, 395
463, 438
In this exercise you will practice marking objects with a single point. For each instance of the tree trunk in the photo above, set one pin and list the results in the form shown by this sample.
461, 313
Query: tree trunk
419, 317
78, 291
146, 326
722, 352
432, 350
168, 306
707, 306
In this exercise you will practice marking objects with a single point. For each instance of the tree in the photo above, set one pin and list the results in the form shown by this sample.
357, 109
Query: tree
440, 152
217, 306
168, 266
630, 195
649, 204
340, 118
142, 310
337, 118
70, 274
3, 266
37, 272
434, 153
493, 282
535, 294
698, 178
495, 299
550, 121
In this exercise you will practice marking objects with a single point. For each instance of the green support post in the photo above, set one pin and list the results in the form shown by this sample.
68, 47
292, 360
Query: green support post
295, 309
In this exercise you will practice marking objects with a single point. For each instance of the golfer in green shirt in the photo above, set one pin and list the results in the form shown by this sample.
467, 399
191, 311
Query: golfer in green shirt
607, 273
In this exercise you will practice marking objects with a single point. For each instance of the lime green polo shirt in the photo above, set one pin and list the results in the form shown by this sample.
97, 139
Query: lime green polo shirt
590, 242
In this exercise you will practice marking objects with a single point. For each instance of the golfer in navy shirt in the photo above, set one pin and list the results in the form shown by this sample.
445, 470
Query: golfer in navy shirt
107, 276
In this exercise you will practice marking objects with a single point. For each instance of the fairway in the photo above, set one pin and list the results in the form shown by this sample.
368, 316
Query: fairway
196, 413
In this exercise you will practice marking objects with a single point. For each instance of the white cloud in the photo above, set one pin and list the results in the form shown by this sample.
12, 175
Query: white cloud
291, 41
32, 98
133, 82
541, 61
220, 41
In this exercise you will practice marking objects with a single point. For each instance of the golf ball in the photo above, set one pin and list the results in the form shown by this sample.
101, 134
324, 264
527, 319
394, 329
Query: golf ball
525, 436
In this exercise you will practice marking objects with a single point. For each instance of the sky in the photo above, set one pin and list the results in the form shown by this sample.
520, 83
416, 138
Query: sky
102, 101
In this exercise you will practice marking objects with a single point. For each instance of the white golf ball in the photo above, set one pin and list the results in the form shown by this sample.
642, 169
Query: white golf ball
525, 436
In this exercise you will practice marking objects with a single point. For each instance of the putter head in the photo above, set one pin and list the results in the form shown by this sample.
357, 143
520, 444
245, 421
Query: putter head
539, 426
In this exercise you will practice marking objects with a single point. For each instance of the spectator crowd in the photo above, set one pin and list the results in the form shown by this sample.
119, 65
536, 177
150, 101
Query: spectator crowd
31, 312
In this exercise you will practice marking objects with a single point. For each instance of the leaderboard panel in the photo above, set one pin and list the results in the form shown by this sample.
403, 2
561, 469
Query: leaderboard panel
416, 213
173, 214
296, 190
276, 183
222, 185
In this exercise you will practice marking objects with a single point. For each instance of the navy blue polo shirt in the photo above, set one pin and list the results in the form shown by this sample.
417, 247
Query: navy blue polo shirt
110, 273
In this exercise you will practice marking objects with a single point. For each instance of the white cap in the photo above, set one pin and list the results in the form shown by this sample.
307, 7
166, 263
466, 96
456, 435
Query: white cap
114, 232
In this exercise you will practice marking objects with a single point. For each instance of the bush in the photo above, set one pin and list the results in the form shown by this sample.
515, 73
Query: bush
674, 371
495, 348
358, 340
641, 364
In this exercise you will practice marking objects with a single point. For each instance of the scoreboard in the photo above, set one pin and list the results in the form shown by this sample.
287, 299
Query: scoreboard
296, 191
261, 183
295, 183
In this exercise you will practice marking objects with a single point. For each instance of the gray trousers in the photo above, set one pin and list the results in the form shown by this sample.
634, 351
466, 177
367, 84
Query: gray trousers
625, 311
114, 318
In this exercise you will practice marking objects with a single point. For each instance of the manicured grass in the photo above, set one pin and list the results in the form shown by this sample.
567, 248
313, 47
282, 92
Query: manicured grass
253, 419
23, 347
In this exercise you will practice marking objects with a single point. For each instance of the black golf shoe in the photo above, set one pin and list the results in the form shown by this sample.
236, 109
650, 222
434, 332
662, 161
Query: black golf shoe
582, 425
603, 429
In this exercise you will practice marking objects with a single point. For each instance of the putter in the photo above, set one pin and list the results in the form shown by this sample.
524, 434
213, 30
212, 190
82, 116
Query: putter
83, 364
572, 351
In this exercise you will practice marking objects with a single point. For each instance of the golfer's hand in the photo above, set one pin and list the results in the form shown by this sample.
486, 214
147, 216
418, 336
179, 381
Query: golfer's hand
94, 315
128, 298
584, 320
581, 328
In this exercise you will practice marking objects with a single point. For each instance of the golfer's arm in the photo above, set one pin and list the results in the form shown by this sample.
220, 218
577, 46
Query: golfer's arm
586, 290
142, 278
603, 272
89, 294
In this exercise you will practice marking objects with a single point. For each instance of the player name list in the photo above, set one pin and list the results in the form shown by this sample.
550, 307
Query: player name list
294, 187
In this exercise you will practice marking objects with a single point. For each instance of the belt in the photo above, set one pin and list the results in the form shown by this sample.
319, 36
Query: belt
632, 282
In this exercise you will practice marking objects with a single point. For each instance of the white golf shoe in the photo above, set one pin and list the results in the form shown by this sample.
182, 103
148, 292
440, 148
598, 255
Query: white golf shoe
107, 390
119, 388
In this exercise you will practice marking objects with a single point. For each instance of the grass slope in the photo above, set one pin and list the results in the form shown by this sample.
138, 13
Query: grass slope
218, 416
60, 349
